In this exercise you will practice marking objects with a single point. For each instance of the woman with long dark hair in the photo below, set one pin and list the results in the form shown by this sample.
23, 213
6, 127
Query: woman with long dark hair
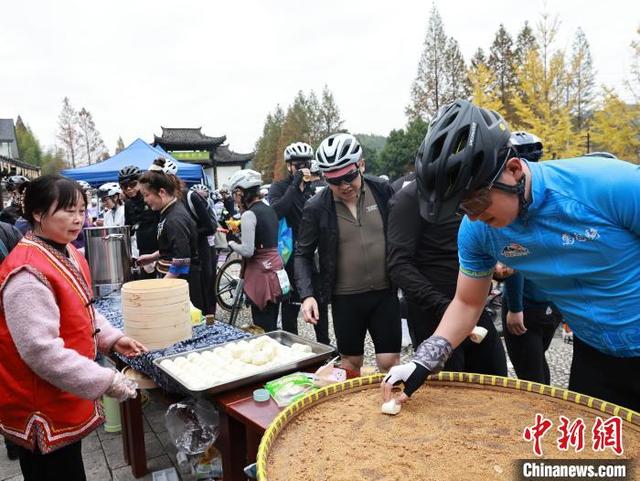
177, 255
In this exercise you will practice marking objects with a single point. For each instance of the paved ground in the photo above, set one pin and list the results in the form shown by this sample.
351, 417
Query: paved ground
102, 451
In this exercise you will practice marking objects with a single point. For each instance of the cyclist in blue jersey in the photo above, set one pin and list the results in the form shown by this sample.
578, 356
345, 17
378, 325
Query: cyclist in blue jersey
570, 226
529, 320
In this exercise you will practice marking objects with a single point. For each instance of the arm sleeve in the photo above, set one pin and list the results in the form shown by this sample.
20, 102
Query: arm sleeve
402, 236
282, 199
35, 330
248, 222
475, 261
180, 248
306, 245
107, 334
514, 290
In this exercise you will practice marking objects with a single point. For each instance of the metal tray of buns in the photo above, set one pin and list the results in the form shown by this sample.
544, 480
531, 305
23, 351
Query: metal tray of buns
316, 355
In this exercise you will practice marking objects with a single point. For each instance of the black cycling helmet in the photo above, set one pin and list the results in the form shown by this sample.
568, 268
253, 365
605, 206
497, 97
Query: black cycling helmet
129, 173
527, 146
15, 182
458, 156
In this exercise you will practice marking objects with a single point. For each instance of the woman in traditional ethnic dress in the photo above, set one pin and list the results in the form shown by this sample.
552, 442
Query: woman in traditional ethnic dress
177, 254
49, 337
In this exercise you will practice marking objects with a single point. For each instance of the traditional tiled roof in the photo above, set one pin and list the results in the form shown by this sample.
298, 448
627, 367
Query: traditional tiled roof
17, 167
224, 155
173, 139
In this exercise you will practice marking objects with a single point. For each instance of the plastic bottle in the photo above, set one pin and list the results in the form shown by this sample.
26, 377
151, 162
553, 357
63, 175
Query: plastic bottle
184, 465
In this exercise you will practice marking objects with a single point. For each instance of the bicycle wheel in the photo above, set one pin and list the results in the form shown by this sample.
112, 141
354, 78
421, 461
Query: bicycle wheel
226, 283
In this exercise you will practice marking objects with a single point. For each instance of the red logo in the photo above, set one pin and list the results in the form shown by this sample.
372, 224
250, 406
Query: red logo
571, 434
536, 432
604, 434
608, 434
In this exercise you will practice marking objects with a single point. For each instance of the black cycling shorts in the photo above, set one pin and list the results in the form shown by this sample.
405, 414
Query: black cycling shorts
375, 311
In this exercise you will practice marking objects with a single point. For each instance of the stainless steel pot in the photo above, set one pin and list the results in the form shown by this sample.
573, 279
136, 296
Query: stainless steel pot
108, 250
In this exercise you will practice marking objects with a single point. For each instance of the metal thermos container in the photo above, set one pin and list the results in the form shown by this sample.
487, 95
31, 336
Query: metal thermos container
108, 251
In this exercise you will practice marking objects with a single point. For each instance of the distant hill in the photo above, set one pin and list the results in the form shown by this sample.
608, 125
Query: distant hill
372, 145
372, 141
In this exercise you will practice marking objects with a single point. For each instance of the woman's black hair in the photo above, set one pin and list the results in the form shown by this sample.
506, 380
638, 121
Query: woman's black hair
41, 194
249, 195
156, 180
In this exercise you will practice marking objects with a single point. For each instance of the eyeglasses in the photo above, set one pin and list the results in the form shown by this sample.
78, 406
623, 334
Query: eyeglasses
480, 200
344, 179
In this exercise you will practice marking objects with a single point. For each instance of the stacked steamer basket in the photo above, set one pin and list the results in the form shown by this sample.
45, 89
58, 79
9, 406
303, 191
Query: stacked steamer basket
156, 312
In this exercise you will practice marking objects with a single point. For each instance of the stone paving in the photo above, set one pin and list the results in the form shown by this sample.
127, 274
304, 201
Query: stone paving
103, 455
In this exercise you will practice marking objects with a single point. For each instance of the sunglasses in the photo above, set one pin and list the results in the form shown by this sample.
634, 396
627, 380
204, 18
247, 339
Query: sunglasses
344, 179
480, 200
129, 185
301, 165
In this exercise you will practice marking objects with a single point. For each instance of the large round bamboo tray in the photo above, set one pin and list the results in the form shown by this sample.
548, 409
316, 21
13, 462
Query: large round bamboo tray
338, 432
156, 312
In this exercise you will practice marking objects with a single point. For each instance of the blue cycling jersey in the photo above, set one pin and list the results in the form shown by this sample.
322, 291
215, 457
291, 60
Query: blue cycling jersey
580, 244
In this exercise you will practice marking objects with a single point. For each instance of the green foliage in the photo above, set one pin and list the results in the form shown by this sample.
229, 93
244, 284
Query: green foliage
28, 145
372, 145
399, 153
525, 42
307, 119
267, 146
53, 161
502, 64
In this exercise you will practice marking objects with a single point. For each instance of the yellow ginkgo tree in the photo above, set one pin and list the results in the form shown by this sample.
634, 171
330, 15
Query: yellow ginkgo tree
541, 107
615, 128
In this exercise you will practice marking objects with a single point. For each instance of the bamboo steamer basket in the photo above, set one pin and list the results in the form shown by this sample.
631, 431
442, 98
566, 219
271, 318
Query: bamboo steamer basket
278, 428
156, 312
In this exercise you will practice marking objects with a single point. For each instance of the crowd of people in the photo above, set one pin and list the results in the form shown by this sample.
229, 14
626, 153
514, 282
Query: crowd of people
562, 236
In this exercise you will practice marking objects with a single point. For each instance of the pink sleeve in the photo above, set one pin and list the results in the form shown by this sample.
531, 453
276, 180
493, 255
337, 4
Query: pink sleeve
108, 334
35, 330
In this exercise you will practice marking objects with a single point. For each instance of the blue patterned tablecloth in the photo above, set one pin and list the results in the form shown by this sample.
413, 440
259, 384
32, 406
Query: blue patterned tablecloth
203, 336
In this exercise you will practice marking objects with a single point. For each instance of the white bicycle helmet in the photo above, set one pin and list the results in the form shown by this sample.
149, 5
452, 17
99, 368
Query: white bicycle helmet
109, 189
298, 151
245, 179
200, 187
164, 165
84, 185
338, 151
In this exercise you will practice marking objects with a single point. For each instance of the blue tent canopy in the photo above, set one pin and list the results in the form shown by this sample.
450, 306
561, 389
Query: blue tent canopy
140, 154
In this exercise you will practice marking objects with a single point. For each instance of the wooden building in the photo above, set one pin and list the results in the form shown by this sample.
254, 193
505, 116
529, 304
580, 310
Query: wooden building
191, 145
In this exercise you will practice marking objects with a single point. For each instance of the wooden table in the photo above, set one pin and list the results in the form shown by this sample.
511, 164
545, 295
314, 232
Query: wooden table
243, 421
242, 424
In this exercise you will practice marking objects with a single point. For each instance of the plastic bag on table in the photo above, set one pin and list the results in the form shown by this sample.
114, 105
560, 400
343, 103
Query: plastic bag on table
290, 388
193, 425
